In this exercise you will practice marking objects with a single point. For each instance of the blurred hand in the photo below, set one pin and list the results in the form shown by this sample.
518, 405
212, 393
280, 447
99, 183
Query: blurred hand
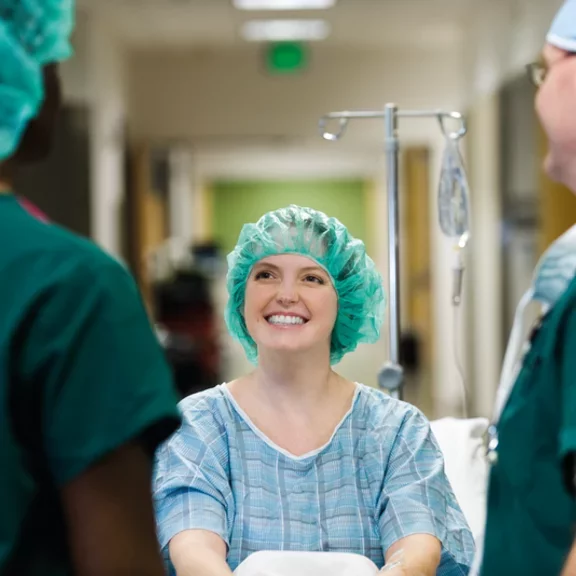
398, 569
416, 555
395, 568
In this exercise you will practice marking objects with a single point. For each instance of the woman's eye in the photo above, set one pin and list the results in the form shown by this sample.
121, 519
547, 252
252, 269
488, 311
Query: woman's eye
315, 279
263, 276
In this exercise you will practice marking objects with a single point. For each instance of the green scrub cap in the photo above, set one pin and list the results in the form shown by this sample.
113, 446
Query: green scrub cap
33, 33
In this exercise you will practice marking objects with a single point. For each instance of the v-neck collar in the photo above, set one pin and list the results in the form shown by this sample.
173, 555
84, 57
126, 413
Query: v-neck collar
273, 445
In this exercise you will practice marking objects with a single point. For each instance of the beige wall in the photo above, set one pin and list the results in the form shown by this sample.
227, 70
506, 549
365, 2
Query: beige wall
96, 77
107, 97
502, 37
217, 97
483, 276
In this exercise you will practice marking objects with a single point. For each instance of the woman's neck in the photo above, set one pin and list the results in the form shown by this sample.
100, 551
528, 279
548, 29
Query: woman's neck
303, 382
297, 401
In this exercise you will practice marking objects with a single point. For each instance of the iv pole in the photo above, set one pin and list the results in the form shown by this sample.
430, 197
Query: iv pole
391, 375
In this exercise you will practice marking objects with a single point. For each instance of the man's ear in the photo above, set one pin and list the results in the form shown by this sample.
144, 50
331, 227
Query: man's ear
37, 140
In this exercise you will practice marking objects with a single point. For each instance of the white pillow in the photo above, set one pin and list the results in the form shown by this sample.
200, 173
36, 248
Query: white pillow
462, 444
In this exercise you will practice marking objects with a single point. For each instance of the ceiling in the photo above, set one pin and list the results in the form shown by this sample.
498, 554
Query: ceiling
369, 24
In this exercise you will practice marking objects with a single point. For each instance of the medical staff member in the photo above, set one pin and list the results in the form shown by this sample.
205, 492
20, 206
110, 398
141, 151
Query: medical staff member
85, 395
532, 493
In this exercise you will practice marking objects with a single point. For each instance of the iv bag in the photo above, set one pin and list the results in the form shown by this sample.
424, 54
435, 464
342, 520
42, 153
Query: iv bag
453, 195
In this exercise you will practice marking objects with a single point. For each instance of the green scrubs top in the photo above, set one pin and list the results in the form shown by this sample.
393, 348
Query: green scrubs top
531, 515
81, 373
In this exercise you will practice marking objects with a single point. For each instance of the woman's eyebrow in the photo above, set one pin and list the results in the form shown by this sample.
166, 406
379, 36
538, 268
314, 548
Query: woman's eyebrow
313, 269
266, 265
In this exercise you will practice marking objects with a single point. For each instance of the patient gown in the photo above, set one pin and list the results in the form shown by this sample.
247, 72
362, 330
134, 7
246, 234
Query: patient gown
380, 478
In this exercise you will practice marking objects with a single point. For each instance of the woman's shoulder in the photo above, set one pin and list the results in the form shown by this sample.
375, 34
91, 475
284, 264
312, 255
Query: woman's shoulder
207, 409
201, 400
205, 426
383, 413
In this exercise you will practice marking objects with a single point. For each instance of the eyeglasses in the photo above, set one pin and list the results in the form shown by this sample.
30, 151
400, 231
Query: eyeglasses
537, 73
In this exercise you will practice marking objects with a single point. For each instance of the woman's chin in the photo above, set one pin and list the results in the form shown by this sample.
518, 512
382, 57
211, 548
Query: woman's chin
288, 349
293, 343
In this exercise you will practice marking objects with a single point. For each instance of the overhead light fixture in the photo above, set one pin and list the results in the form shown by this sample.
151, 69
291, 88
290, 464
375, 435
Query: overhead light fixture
285, 30
283, 4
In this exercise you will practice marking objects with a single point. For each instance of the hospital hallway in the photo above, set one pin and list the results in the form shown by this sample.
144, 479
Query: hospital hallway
288, 287
185, 119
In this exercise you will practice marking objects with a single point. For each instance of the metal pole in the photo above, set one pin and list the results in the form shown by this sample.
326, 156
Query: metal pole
392, 148
392, 151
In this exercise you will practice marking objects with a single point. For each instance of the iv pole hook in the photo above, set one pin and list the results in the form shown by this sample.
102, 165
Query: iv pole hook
458, 135
333, 136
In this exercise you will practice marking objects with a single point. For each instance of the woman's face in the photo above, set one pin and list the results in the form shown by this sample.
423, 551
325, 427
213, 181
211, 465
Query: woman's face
290, 305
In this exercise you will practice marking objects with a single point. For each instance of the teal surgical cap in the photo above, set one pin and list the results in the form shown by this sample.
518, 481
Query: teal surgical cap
33, 33
562, 33
307, 232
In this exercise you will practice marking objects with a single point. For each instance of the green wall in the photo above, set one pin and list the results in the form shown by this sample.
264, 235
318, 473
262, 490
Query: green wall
235, 203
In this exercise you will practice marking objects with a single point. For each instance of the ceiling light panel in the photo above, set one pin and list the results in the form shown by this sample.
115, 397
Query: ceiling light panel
283, 4
285, 30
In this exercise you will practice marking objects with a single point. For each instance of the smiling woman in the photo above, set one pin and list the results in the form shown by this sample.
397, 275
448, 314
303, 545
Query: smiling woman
290, 305
293, 456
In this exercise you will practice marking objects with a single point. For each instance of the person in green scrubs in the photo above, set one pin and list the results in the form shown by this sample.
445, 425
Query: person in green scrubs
531, 516
85, 393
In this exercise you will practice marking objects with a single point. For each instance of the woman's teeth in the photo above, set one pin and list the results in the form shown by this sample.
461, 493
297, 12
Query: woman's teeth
285, 320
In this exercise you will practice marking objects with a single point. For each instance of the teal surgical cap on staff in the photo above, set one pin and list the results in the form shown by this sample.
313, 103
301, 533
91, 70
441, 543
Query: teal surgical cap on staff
307, 232
33, 33
562, 33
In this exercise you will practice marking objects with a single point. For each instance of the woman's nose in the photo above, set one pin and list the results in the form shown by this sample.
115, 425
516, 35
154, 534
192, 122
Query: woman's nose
287, 293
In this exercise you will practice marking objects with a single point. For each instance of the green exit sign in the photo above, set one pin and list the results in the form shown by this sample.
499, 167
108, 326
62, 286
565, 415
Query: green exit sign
286, 58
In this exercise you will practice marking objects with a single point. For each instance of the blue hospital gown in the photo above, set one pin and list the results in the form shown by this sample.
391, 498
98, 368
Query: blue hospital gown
380, 478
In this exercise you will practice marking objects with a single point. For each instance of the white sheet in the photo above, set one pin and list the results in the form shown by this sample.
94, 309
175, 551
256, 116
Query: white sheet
306, 564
